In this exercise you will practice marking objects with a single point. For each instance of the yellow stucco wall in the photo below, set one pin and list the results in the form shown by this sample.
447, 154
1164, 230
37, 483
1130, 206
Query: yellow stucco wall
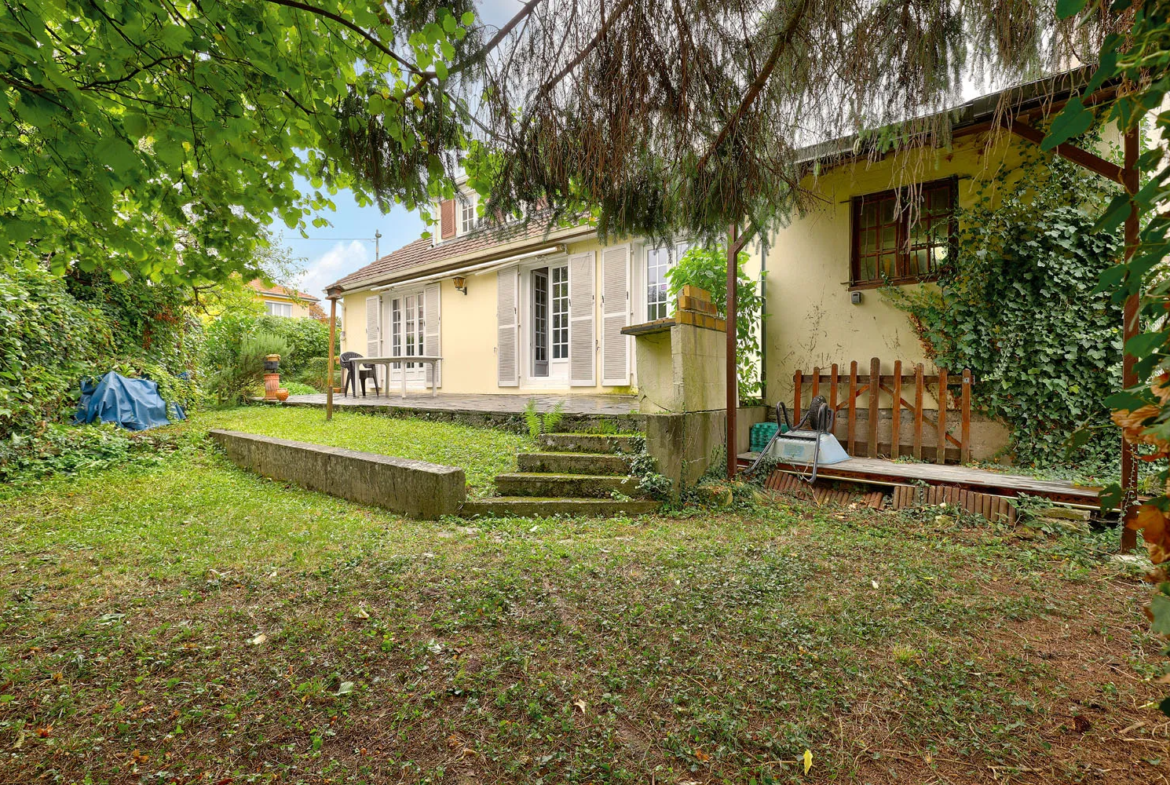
811, 321
469, 331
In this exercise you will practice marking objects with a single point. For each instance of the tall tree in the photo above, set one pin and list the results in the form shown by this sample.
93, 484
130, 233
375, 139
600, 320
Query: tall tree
158, 136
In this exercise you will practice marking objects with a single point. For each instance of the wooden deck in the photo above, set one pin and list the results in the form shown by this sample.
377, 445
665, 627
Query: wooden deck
876, 471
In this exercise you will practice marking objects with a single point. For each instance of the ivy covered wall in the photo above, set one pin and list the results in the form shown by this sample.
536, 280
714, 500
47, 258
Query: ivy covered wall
1017, 304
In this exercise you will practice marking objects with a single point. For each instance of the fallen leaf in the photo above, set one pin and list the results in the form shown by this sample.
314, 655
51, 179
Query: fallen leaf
873, 584
1080, 724
362, 613
580, 704
258, 639
346, 688
702, 756
45, 732
807, 760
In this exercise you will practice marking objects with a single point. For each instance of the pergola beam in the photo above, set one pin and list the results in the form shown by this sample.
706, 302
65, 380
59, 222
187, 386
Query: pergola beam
1071, 152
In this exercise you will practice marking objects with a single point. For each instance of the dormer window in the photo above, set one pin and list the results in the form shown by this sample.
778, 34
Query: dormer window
468, 220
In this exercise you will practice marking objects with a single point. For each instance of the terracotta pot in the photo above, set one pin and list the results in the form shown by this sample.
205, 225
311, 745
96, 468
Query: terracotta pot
336, 390
282, 394
271, 385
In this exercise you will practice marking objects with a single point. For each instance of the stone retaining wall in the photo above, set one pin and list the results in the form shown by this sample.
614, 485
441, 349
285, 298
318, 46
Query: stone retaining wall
415, 488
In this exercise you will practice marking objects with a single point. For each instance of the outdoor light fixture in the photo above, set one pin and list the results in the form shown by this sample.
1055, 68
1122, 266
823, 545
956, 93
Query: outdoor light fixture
460, 284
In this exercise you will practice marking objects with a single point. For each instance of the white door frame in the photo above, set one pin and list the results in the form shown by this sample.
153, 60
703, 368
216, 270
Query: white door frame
527, 380
416, 378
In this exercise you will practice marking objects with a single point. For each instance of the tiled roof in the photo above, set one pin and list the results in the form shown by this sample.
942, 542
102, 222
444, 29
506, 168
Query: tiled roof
280, 291
422, 251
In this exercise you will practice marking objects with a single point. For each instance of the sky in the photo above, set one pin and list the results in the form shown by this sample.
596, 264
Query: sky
333, 252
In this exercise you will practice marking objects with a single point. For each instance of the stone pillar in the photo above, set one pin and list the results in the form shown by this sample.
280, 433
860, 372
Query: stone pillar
681, 386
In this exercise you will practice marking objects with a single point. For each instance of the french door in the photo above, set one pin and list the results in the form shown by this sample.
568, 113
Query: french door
407, 335
548, 333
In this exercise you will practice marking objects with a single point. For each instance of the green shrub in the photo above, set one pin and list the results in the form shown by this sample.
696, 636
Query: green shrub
315, 369
239, 375
296, 388
55, 331
706, 268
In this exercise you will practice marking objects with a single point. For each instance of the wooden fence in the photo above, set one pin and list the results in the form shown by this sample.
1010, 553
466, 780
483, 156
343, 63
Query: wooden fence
843, 393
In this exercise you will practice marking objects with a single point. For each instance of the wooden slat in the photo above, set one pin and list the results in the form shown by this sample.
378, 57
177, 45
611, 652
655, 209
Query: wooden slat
875, 372
798, 381
965, 431
852, 432
941, 452
816, 383
919, 384
833, 388
896, 411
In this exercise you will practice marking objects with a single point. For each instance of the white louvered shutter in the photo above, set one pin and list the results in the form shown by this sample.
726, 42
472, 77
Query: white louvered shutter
432, 326
615, 311
374, 327
507, 319
582, 342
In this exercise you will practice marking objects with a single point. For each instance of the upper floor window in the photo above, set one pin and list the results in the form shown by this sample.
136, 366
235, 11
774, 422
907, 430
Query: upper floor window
658, 261
278, 309
468, 220
903, 236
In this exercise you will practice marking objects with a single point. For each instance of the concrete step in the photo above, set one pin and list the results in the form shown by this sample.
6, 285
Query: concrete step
576, 486
537, 507
573, 463
587, 442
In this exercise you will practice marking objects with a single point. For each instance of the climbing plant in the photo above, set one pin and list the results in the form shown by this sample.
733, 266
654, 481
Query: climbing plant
706, 268
1016, 303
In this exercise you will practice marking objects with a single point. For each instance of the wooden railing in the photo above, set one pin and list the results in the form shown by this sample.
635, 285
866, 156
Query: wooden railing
895, 385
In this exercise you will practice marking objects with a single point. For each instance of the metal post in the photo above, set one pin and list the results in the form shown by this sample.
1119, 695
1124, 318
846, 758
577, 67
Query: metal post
1130, 328
732, 381
332, 341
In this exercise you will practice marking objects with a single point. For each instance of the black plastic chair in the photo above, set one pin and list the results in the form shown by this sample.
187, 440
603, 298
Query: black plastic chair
354, 373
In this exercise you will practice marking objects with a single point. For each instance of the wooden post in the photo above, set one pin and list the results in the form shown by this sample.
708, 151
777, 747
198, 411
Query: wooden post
965, 432
875, 379
896, 411
852, 433
333, 293
833, 389
816, 385
732, 293
919, 383
1130, 328
798, 383
941, 450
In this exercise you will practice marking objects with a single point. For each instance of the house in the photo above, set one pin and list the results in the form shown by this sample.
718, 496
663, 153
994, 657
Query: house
521, 309
281, 301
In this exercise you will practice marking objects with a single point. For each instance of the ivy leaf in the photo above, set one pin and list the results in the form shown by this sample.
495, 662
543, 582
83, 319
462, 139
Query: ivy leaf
1073, 120
1160, 608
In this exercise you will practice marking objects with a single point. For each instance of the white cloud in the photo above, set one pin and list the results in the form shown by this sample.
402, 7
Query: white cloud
338, 262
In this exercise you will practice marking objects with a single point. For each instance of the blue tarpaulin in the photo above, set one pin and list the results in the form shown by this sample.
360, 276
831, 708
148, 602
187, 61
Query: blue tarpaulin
133, 404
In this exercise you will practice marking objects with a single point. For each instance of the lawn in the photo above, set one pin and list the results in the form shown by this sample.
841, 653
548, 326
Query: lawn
189, 622
482, 453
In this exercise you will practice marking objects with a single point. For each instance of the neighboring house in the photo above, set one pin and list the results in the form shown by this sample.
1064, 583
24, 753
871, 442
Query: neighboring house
541, 308
280, 301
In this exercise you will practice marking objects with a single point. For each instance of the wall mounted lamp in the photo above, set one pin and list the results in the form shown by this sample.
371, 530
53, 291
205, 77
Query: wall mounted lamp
460, 284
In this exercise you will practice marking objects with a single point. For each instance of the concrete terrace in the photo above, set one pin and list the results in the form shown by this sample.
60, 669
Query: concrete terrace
580, 411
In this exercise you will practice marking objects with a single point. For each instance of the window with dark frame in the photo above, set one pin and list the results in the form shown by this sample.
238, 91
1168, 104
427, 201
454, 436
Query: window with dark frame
896, 242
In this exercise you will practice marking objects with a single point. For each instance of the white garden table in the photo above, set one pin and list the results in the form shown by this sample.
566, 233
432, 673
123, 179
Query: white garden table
388, 361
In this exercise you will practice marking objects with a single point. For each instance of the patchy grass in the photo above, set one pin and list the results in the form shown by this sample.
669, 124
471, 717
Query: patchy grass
482, 453
189, 622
